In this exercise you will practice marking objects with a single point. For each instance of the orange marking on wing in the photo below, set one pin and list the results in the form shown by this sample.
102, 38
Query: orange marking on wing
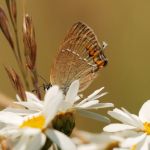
96, 53
91, 53
99, 62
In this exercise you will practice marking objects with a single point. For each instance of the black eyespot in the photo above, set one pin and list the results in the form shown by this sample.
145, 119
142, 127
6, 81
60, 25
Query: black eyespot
105, 62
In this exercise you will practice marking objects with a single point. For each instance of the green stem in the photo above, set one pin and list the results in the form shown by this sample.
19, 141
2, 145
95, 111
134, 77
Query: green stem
47, 145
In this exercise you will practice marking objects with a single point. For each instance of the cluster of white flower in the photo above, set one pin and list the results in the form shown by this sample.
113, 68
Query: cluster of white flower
133, 133
46, 124
33, 125
49, 123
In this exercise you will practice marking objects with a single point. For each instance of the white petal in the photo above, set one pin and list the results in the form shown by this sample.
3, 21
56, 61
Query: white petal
93, 115
36, 142
98, 96
129, 142
31, 131
89, 103
122, 116
18, 111
78, 98
31, 138
22, 144
36, 106
60, 139
89, 147
94, 96
144, 113
31, 97
72, 92
10, 118
135, 119
10, 131
43, 139
114, 127
138, 121
95, 92
52, 101
142, 144
145, 146
99, 105
64, 106
18, 98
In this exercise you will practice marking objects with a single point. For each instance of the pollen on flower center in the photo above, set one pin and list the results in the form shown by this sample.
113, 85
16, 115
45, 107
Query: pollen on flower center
133, 147
34, 122
147, 127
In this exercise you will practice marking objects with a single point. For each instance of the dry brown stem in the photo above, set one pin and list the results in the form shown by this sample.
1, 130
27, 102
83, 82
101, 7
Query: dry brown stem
5, 29
30, 50
16, 82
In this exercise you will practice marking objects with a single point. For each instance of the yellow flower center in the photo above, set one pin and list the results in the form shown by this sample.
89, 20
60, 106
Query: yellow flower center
34, 122
133, 147
147, 128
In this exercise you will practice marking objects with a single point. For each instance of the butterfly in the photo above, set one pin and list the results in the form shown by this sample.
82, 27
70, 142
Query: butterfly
80, 57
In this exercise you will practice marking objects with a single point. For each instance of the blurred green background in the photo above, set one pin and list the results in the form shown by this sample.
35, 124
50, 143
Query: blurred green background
124, 25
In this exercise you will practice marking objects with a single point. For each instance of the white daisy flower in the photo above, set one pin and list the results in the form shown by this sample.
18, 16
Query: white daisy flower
33, 130
65, 121
102, 141
140, 124
72, 102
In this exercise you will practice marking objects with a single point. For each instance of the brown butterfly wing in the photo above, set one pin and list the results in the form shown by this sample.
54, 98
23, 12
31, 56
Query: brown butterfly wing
80, 57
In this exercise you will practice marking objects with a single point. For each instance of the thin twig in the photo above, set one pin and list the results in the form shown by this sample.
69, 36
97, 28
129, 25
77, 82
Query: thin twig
18, 55
35, 82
